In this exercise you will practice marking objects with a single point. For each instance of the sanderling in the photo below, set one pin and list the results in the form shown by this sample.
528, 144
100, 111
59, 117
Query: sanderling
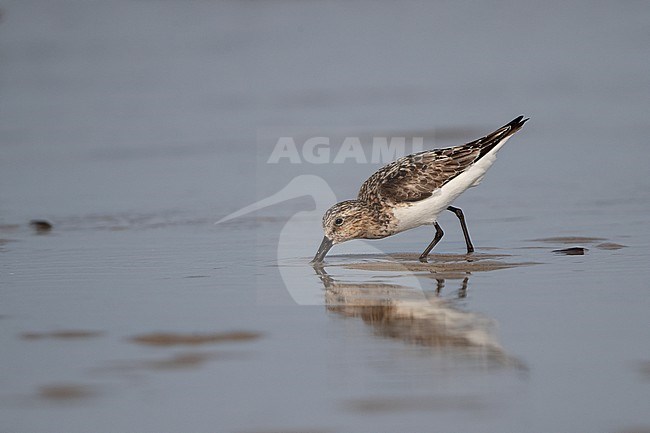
412, 191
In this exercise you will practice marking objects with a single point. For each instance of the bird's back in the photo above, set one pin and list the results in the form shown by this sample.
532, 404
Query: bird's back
415, 177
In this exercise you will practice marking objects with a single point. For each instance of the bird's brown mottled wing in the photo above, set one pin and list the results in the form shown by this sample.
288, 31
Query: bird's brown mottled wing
415, 177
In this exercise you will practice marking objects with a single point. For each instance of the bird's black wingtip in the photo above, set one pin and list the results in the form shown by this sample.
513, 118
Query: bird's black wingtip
516, 124
487, 143
520, 120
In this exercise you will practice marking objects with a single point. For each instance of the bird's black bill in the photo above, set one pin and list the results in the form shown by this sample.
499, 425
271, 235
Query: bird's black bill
322, 250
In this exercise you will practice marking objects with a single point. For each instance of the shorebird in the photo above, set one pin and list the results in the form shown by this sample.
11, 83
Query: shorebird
412, 191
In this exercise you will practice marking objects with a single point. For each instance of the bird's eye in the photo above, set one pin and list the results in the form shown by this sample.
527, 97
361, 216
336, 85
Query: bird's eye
338, 221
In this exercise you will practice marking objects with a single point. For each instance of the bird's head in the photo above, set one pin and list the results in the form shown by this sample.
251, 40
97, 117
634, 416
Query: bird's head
343, 221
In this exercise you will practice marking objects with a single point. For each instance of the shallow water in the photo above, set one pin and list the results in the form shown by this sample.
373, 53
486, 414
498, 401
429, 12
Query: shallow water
133, 126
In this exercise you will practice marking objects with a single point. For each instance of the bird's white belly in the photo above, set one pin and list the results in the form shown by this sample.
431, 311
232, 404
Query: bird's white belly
415, 214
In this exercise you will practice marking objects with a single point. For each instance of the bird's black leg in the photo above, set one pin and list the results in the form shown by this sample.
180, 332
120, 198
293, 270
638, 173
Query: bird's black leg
461, 217
436, 239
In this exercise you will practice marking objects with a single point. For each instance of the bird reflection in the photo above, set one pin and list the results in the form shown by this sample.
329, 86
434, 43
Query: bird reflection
462, 291
414, 316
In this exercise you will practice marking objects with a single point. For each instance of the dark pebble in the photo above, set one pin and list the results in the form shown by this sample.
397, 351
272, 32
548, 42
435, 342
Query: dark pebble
573, 251
41, 226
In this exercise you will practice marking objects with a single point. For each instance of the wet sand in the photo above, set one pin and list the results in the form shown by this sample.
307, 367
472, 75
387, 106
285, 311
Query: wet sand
170, 339
65, 392
61, 335
439, 264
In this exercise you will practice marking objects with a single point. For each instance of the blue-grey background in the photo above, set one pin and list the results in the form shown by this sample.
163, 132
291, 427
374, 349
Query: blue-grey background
133, 125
